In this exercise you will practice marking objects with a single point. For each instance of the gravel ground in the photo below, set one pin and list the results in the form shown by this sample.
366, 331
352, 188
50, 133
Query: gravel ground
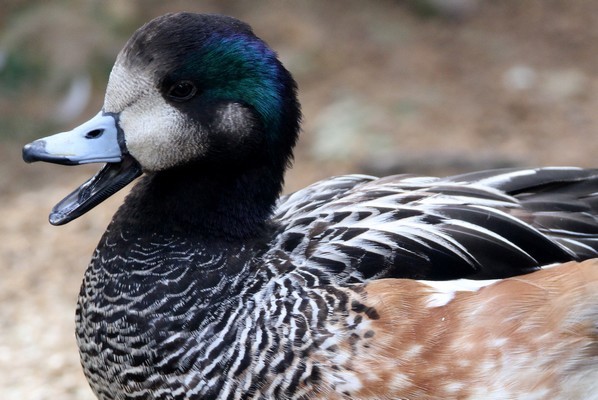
383, 89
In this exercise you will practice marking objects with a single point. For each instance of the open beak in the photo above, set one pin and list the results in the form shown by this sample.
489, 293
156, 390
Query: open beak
95, 141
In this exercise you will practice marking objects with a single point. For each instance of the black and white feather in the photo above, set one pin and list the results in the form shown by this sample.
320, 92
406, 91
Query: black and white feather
482, 225
208, 285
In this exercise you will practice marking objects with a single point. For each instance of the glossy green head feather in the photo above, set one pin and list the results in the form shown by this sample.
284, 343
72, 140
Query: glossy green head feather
226, 61
241, 68
205, 110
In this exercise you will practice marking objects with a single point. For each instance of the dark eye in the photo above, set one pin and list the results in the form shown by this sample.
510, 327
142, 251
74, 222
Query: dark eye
182, 91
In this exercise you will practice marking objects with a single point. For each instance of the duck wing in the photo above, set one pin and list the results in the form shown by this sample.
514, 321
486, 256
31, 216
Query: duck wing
482, 225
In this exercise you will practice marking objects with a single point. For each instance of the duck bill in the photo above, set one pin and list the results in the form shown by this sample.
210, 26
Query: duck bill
98, 140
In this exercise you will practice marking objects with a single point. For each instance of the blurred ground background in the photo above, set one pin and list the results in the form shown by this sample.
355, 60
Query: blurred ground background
424, 86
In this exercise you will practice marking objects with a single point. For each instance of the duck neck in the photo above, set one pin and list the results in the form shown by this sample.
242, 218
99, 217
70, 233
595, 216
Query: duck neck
219, 203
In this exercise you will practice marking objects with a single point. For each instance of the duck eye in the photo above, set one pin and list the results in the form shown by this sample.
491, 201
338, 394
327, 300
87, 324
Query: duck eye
182, 91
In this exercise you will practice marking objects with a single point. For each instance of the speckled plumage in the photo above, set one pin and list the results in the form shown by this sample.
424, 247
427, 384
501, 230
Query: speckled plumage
208, 285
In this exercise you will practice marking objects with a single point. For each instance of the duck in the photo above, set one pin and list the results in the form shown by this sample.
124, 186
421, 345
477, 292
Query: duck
210, 284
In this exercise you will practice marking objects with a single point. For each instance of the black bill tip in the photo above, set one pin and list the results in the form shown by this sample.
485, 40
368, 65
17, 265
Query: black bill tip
36, 151
31, 151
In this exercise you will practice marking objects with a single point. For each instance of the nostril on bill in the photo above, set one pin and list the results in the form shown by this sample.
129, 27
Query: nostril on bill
96, 133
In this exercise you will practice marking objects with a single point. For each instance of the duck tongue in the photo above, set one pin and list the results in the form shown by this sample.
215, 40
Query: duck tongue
97, 140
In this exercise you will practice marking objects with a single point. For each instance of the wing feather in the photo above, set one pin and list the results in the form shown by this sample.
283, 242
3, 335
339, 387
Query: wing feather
482, 225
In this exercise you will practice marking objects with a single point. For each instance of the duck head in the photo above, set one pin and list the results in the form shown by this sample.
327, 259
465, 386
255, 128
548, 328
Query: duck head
187, 90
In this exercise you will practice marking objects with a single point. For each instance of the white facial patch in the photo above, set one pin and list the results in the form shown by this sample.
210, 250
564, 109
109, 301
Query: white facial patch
156, 134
